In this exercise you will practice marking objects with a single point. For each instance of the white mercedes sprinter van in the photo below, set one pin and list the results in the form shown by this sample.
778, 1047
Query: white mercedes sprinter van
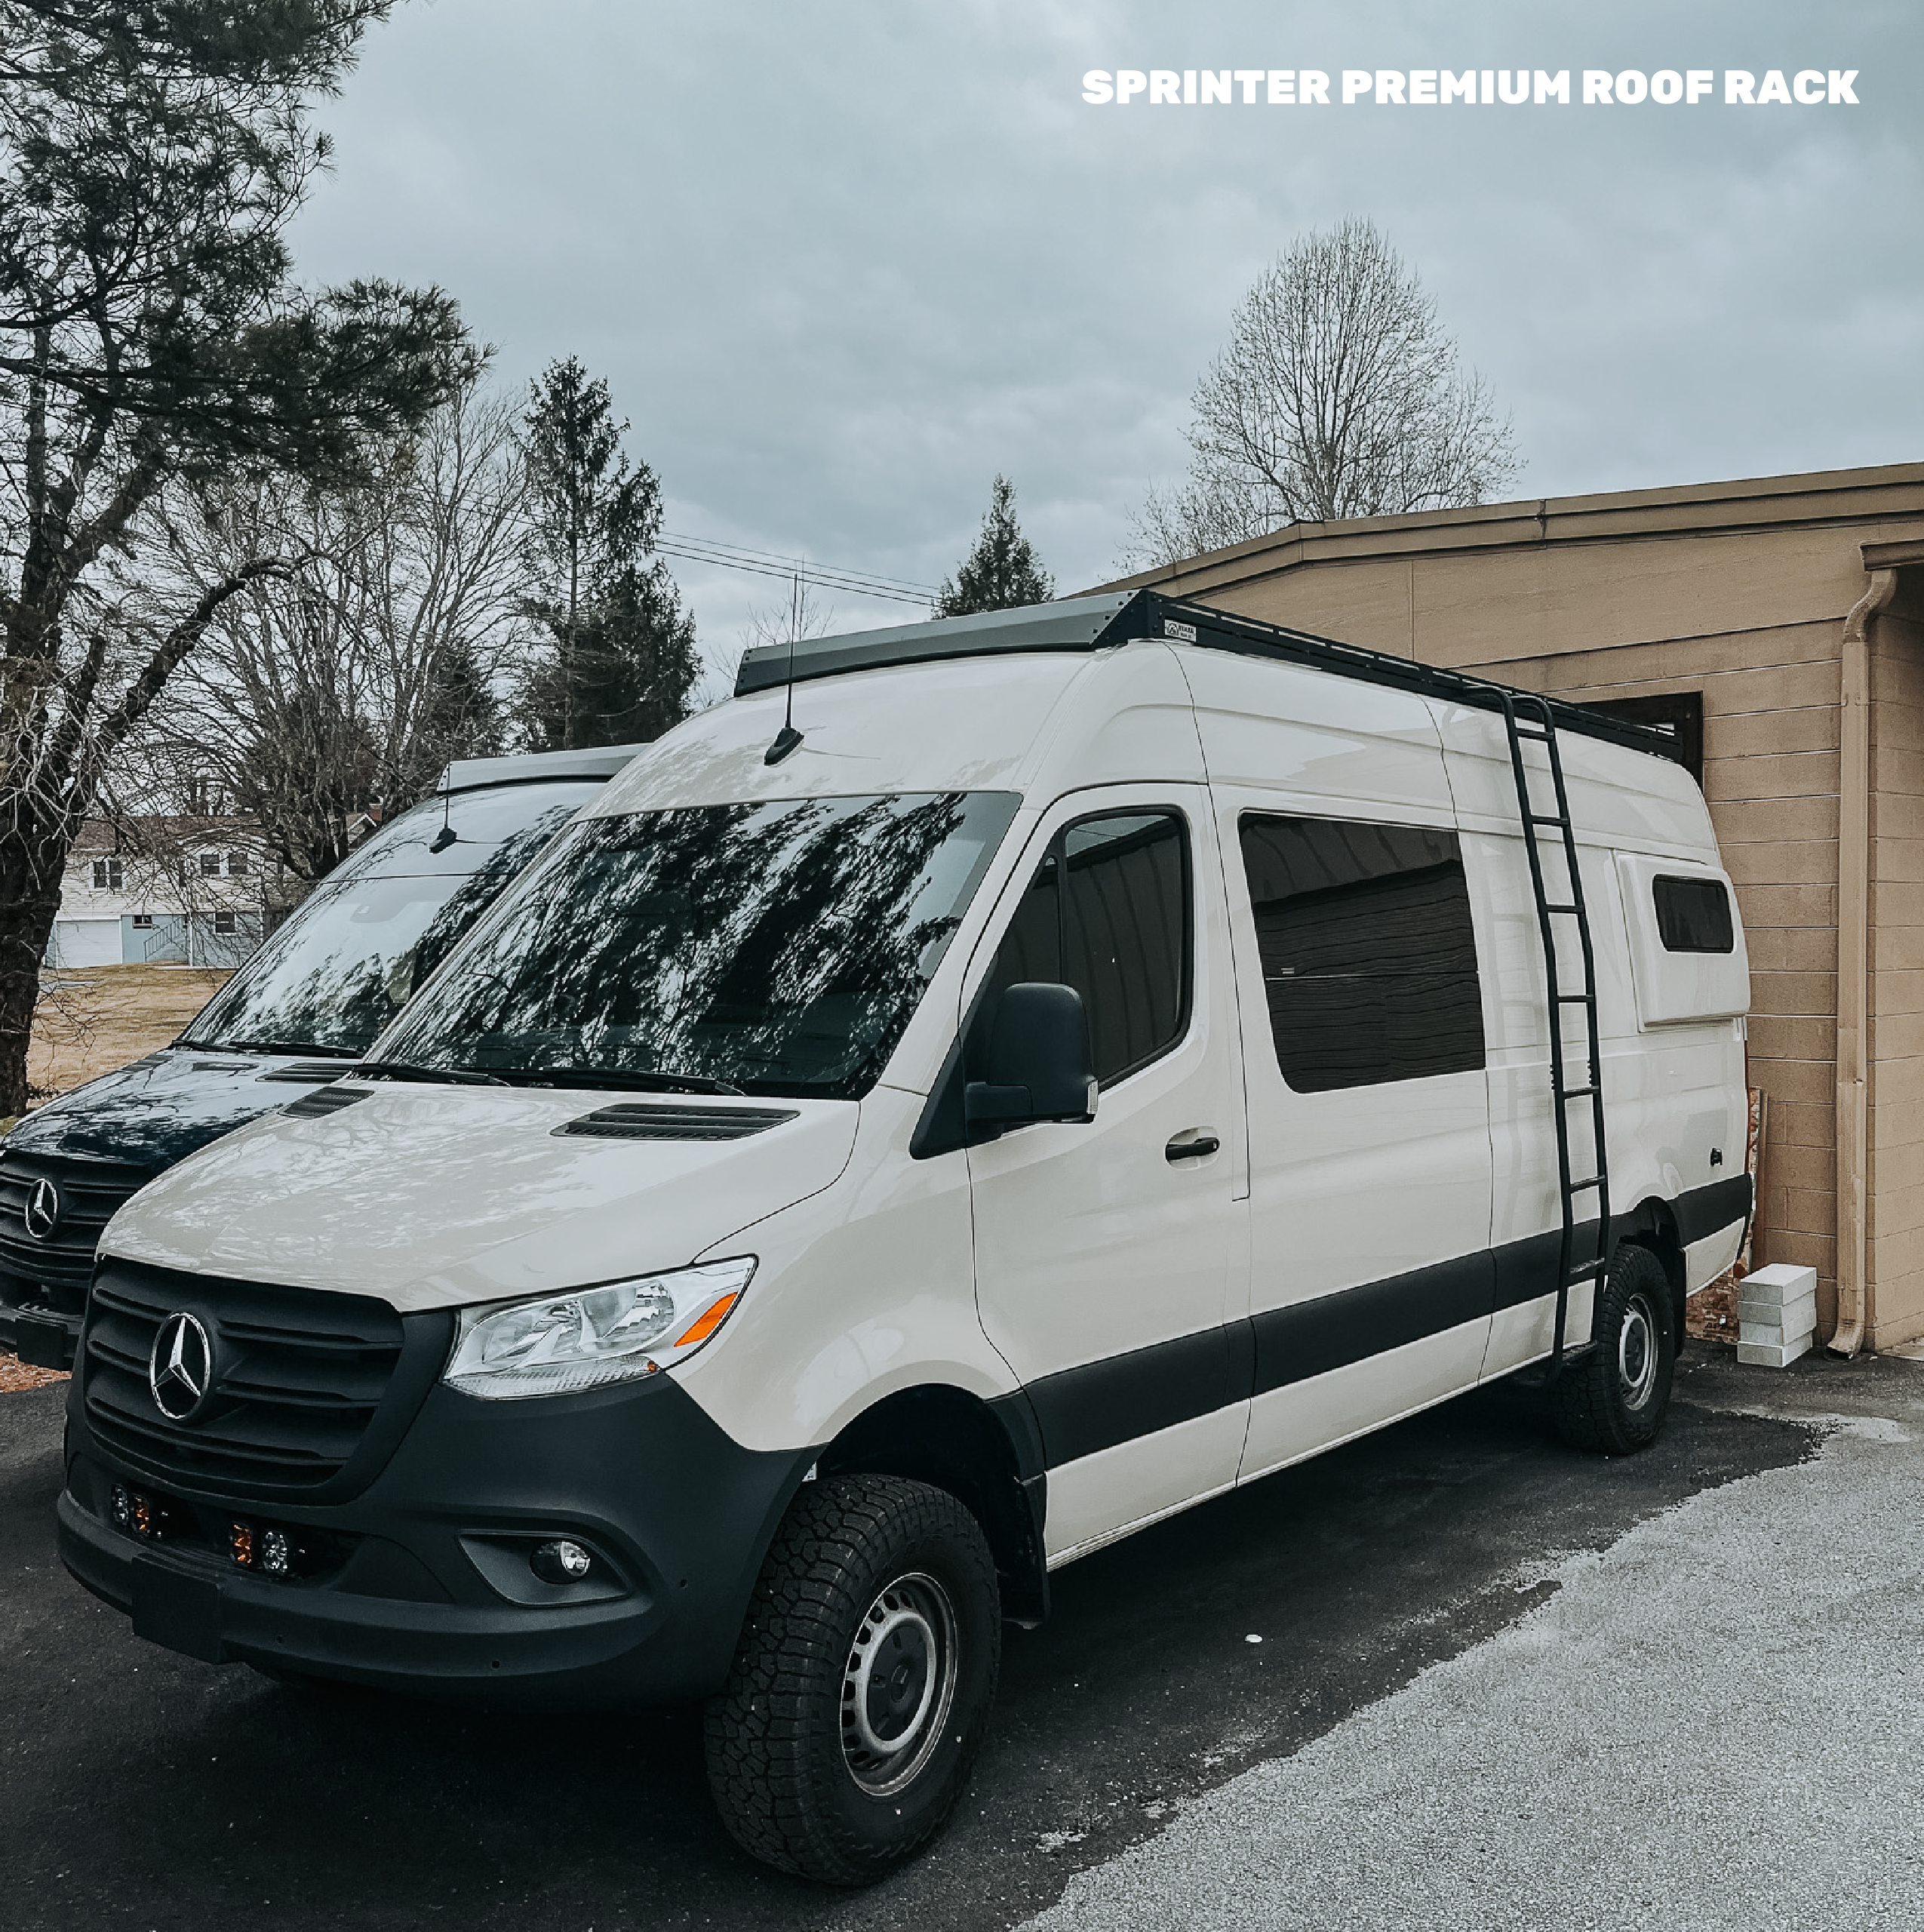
992, 1085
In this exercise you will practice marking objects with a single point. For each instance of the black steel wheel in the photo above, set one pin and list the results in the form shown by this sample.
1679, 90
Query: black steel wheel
861, 1687
1614, 1398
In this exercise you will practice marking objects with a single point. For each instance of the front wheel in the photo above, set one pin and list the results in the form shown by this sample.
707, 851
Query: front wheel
1614, 1398
860, 1689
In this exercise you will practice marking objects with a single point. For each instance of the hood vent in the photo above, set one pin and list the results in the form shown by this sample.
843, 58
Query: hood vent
649, 1120
311, 1069
328, 1100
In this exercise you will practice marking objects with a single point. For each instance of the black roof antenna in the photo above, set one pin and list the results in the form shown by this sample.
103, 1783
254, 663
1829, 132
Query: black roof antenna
447, 835
788, 738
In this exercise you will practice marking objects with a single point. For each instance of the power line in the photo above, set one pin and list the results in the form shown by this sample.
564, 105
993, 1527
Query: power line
771, 563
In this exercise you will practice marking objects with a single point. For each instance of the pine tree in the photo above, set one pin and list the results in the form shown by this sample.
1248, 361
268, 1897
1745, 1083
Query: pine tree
620, 659
1002, 571
154, 342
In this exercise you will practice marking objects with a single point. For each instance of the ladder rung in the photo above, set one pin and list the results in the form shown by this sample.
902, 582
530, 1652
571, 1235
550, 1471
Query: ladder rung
1582, 1270
1548, 818
1541, 737
1549, 908
1574, 1092
1583, 1186
1576, 999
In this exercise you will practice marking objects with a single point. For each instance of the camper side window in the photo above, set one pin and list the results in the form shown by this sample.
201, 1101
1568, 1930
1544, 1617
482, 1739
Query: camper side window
1693, 915
1119, 933
1369, 956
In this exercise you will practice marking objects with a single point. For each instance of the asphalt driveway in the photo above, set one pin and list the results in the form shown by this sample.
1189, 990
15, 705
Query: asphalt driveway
141, 1789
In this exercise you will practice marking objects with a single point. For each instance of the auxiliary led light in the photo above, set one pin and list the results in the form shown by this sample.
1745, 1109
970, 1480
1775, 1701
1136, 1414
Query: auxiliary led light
274, 1552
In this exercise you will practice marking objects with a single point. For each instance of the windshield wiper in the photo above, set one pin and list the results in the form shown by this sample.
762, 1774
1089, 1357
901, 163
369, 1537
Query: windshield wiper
287, 1047
402, 1069
597, 1076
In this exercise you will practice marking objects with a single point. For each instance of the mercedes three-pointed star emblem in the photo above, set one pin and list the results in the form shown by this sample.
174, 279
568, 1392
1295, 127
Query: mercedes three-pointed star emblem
180, 1368
42, 1212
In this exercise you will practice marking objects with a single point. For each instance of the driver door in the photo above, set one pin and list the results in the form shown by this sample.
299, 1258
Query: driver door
1111, 1255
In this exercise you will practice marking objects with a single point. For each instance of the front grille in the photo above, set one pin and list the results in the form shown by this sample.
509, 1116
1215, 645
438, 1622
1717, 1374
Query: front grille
297, 1376
89, 1192
647, 1120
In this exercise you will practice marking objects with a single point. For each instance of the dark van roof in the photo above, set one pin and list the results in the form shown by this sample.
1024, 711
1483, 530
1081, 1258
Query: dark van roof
465, 774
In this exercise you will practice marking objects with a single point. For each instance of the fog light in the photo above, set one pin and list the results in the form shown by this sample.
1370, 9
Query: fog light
561, 1561
122, 1505
240, 1542
274, 1552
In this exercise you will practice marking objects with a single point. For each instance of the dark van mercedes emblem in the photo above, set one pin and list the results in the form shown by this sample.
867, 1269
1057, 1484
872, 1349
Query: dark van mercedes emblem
42, 1213
181, 1367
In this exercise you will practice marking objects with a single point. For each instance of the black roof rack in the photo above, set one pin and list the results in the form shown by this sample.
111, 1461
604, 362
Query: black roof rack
1093, 623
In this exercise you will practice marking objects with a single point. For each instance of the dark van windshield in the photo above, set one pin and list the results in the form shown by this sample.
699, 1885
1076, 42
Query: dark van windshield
379, 924
775, 949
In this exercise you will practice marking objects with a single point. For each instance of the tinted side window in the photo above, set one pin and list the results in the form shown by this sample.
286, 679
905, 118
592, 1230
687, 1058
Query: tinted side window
1368, 957
1108, 912
1693, 915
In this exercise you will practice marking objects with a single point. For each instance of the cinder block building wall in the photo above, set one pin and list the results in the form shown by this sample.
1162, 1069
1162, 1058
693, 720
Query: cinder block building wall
1793, 607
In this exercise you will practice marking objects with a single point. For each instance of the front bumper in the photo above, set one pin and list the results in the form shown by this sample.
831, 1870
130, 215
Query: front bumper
421, 1583
37, 1333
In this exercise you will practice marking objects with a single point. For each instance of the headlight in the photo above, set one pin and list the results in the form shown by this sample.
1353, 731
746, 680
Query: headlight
616, 1333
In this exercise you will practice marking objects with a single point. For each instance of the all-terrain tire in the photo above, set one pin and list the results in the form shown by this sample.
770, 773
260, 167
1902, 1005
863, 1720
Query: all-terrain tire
1614, 1398
861, 1686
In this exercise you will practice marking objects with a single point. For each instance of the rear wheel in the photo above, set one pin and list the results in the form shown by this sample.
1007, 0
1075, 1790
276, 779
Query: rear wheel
1614, 1399
860, 1689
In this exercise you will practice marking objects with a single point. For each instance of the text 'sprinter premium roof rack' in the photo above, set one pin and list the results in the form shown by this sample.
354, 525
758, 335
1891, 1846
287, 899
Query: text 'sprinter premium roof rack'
1093, 623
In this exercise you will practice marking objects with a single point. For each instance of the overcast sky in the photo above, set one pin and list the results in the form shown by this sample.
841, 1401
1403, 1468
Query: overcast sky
843, 260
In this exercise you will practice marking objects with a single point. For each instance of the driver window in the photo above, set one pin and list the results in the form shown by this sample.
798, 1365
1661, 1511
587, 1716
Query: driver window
1108, 912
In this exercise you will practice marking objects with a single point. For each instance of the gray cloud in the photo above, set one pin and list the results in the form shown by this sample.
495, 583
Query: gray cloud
843, 262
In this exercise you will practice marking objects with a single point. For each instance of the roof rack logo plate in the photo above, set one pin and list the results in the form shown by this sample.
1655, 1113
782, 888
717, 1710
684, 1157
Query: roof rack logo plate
1186, 632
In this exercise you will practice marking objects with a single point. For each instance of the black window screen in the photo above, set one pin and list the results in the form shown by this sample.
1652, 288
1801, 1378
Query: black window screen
1369, 958
1108, 912
1693, 915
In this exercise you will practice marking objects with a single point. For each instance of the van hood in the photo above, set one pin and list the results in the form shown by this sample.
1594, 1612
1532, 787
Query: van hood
435, 1196
160, 1110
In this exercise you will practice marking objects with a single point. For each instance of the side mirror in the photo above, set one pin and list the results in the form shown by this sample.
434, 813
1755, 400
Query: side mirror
1038, 1065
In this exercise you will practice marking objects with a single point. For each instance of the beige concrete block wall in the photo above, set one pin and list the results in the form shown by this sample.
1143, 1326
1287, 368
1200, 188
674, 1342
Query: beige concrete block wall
1895, 1246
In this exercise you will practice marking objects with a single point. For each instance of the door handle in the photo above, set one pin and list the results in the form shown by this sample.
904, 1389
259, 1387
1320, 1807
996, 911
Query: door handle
1199, 1149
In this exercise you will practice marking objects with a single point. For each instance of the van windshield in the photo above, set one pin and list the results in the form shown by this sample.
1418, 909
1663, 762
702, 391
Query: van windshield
777, 948
374, 929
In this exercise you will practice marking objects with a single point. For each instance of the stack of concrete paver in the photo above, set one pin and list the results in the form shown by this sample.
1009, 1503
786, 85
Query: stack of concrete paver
1776, 1315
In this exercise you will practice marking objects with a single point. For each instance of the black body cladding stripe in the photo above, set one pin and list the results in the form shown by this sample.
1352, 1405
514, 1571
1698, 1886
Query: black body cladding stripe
1100, 1404
1312, 1337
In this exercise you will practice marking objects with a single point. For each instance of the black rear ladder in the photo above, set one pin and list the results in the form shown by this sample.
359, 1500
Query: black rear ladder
1528, 719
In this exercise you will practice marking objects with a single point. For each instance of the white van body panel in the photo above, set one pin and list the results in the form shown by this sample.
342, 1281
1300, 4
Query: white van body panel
1369, 751
1098, 1499
887, 1247
264, 1203
1618, 797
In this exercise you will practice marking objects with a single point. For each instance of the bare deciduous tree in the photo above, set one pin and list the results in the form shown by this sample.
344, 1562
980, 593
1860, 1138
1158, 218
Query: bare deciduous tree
340, 689
1338, 395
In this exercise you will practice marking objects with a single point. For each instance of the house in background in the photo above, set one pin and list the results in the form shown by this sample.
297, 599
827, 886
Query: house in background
1776, 626
171, 891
